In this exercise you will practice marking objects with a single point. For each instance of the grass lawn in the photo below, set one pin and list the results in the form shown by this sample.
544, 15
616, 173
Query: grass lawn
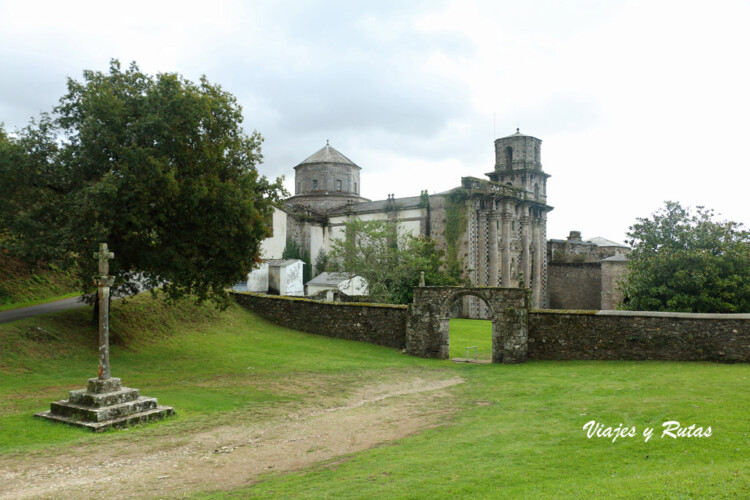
468, 333
517, 431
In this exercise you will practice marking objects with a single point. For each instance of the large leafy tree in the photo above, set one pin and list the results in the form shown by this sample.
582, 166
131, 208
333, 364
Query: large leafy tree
688, 262
390, 263
156, 166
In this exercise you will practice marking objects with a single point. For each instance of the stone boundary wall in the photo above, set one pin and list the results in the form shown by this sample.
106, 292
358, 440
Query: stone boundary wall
380, 324
574, 285
625, 335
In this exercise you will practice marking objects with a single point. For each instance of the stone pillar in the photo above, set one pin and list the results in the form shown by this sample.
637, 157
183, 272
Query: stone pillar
492, 235
506, 257
482, 243
536, 267
525, 242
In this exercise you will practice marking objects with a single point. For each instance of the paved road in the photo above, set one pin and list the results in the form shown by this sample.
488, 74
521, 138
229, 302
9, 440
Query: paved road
27, 312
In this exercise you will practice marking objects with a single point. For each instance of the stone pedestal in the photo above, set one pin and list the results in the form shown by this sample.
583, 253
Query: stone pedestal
105, 404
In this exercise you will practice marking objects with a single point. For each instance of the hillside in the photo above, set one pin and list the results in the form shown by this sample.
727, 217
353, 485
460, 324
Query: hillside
21, 284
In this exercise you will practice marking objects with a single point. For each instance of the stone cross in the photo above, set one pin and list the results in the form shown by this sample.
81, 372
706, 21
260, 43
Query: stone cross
103, 282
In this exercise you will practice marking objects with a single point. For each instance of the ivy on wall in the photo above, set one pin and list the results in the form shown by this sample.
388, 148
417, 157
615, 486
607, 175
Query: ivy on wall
456, 222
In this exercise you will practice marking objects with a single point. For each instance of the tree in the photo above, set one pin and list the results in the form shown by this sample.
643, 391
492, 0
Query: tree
688, 262
158, 167
390, 263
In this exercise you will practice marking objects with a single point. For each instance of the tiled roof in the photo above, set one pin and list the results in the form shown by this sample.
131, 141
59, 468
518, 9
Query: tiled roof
329, 279
604, 242
378, 205
328, 154
617, 258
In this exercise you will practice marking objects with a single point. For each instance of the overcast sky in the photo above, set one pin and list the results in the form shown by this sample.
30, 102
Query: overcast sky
635, 102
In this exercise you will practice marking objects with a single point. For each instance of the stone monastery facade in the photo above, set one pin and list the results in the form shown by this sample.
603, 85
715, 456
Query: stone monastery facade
495, 228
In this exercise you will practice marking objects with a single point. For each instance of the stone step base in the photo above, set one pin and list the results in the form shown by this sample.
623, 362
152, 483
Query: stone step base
157, 413
85, 397
65, 408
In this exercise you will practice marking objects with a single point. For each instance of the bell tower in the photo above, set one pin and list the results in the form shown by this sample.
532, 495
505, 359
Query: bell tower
518, 164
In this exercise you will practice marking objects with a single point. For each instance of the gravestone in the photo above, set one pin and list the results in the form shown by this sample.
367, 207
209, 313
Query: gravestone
105, 403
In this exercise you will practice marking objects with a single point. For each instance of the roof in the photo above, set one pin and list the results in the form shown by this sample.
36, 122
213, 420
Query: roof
332, 279
379, 205
517, 134
328, 154
616, 258
604, 242
282, 262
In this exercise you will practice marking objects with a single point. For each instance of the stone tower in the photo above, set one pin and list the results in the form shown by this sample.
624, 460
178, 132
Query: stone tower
326, 180
518, 164
507, 220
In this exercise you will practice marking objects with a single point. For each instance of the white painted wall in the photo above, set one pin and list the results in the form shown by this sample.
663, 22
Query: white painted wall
291, 279
317, 242
257, 280
354, 286
273, 247
313, 289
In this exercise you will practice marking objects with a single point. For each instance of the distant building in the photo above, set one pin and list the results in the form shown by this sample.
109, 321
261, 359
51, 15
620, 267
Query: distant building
494, 229
285, 277
585, 274
346, 283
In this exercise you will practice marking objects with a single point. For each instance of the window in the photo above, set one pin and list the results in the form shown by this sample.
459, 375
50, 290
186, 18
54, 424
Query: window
509, 157
315, 183
338, 185
355, 188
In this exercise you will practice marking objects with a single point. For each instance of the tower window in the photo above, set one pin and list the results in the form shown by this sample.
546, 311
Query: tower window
315, 183
355, 188
338, 185
509, 157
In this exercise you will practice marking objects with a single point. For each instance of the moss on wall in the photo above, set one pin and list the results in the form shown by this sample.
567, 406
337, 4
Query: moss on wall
456, 222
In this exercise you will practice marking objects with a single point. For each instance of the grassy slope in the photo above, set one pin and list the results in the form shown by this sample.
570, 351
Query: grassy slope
202, 362
20, 285
518, 432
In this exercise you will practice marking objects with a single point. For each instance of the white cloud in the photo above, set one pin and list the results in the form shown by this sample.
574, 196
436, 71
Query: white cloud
636, 102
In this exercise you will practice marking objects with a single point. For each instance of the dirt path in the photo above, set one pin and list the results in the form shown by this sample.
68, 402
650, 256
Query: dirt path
231, 456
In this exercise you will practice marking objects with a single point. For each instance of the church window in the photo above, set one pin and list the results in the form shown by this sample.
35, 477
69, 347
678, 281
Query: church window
536, 191
509, 157
355, 188
338, 185
315, 183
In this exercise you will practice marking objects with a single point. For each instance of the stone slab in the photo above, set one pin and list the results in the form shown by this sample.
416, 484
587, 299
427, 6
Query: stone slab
65, 408
95, 400
100, 386
158, 413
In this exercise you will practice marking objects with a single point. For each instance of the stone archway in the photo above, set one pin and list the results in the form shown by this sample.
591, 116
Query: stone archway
427, 329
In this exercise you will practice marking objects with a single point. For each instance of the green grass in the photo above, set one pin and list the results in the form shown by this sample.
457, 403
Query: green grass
22, 285
520, 434
517, 431
203, 362
471, 332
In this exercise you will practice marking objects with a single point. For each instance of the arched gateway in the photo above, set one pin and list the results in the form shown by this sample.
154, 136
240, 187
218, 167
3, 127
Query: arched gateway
427, 330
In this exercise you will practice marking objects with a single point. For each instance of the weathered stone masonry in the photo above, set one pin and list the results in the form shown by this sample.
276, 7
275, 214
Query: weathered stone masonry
380, 324
550, 335
427, 330
626, 335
